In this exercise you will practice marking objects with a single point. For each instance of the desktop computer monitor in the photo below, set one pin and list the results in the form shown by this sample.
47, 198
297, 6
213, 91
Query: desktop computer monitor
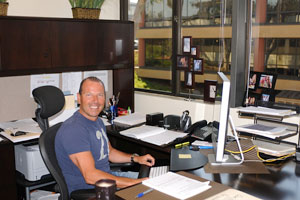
219, 156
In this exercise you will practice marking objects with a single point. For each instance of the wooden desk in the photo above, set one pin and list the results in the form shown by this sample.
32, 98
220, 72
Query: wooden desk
8, 186
282, 183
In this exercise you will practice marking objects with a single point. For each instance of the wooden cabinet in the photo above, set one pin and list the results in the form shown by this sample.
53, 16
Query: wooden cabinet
74, 44
33, 45
24, 44
117, 48
8, 186
30, 45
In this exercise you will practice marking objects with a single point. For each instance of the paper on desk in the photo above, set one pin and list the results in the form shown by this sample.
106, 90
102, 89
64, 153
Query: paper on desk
201, 143
176, 185
231, 194
26, 125
153, 134
164, 138
29, 126
132, 119
62, 116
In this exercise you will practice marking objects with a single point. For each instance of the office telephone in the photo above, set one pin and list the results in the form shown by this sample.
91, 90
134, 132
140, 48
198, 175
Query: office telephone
202, 131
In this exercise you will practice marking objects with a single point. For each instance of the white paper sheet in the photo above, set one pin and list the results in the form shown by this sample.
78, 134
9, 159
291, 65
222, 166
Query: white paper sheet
176, 185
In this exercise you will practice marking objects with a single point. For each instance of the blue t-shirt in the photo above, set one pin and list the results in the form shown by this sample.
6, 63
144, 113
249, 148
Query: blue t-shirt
79, 134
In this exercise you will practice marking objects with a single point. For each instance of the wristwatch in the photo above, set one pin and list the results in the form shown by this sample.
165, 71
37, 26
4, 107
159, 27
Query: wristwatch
132, 157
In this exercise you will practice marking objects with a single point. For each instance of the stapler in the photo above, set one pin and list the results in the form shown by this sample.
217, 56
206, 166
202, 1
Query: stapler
18, 133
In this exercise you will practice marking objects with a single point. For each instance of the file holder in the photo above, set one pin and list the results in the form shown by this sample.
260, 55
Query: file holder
275, 121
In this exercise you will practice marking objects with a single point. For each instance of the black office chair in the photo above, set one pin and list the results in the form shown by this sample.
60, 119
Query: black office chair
50, 101
46, 143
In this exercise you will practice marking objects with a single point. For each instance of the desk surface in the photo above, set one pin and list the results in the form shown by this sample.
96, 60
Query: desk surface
282, 183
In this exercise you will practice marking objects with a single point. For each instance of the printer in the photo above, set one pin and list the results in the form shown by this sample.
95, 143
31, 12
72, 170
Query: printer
29, 162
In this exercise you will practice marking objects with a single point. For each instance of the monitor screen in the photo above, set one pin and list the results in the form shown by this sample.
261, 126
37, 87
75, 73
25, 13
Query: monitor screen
222, 114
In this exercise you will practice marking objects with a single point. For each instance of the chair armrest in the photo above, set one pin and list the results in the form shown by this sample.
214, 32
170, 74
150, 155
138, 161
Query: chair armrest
83, 194
120, 165
144, 171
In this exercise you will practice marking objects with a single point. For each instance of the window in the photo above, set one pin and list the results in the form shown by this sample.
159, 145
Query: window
275, 49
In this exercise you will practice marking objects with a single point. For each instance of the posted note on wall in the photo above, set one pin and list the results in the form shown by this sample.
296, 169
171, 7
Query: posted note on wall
71, 82
43, 79
102, 75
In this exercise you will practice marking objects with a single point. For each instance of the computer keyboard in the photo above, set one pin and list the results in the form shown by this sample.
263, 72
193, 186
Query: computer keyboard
157, 171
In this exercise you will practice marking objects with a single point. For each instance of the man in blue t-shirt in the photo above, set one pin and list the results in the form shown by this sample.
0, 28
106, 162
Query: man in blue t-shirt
82, 148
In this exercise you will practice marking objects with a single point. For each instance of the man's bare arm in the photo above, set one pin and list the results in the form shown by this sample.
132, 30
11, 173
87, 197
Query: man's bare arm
86, 164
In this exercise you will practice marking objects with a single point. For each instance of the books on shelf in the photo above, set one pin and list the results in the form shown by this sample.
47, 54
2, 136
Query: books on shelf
153, 134
268, 111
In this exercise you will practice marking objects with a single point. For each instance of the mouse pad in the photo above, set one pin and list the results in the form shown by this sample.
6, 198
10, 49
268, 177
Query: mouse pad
186, 159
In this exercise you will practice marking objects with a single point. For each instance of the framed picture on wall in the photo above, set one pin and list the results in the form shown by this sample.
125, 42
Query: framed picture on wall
186, 44
252, 99
189, 79
194, 51
253, 80
197, 65
210, 90
267, 81
183, 62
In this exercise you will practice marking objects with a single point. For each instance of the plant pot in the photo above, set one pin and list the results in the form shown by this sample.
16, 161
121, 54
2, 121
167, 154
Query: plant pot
3, 9
86, 13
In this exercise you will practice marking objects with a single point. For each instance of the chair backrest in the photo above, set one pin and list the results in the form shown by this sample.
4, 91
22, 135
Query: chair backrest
50, 101
47, 149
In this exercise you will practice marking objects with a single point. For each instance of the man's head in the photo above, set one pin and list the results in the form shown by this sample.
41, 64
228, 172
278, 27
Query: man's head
91, 97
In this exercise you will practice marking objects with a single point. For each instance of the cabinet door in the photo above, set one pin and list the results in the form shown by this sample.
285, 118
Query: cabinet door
8, 185
74, 43
115, 45
24, 44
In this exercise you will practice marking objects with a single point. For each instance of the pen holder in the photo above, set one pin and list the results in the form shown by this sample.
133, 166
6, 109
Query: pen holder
105, 189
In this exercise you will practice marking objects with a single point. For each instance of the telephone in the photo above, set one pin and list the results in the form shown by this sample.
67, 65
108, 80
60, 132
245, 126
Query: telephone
185, 121
203, 131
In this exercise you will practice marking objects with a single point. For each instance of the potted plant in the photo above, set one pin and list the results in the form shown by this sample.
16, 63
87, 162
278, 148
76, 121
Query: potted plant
86, 9
3, 7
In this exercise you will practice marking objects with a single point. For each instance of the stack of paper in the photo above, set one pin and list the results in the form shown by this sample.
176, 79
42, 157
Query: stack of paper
266, 131
153, 134
278, 150
132, 119
176, 185
29, 126
267, 111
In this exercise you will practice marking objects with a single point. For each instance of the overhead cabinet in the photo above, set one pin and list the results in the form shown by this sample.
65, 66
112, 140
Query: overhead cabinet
52, 44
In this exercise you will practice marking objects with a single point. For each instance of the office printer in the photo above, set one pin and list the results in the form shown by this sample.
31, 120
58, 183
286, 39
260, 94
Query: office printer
29, 161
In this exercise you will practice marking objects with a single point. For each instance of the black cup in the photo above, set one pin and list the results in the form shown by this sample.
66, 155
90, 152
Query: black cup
105, 189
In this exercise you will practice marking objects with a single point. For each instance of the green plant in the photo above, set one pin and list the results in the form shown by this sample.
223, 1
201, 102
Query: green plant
86, 3
3, 1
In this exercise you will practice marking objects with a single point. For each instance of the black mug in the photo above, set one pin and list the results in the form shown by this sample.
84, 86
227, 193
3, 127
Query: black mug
105, 189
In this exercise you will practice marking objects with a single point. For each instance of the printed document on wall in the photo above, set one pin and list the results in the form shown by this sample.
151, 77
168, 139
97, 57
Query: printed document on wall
102, 75
71, 82
43, 79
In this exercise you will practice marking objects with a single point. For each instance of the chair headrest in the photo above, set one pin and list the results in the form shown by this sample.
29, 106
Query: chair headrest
51, 100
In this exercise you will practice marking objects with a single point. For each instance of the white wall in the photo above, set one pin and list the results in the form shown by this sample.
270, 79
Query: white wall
199, 110
57, 8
